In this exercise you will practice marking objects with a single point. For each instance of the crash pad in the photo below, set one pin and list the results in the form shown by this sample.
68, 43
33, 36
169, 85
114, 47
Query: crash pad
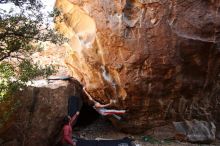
118, 142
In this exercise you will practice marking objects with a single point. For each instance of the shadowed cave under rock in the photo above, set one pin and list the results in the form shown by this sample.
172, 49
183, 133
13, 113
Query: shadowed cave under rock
87, 116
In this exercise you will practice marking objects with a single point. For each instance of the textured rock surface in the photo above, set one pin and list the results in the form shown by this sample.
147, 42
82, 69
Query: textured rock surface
38, 121
11, 143
158, 58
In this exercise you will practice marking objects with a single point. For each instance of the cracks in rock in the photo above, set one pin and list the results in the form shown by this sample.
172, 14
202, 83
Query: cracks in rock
111, 81
132, 12
100, 49
35, 92
173, 13
217, 2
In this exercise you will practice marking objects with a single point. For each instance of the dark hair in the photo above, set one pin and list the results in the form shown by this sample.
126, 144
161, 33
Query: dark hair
66, 120
92, 104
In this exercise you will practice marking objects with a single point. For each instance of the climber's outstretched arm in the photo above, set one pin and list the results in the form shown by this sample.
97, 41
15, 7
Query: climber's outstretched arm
73, 118
90, 97
97, 104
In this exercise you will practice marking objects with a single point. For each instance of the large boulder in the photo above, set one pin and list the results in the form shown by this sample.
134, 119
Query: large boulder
158, 58
37, 121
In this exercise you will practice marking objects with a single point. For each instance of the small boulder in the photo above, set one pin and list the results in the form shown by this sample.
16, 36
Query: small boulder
195, 131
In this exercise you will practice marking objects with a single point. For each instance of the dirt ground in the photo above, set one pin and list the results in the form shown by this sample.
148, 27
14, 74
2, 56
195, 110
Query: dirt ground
160, 136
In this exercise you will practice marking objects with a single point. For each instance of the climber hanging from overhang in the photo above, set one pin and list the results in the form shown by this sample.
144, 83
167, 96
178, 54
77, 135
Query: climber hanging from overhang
101, 108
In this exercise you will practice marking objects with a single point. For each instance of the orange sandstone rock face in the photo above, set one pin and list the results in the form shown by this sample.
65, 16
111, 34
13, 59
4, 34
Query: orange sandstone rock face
158, 58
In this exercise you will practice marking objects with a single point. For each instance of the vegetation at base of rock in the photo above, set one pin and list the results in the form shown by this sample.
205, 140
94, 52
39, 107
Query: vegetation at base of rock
22, 34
